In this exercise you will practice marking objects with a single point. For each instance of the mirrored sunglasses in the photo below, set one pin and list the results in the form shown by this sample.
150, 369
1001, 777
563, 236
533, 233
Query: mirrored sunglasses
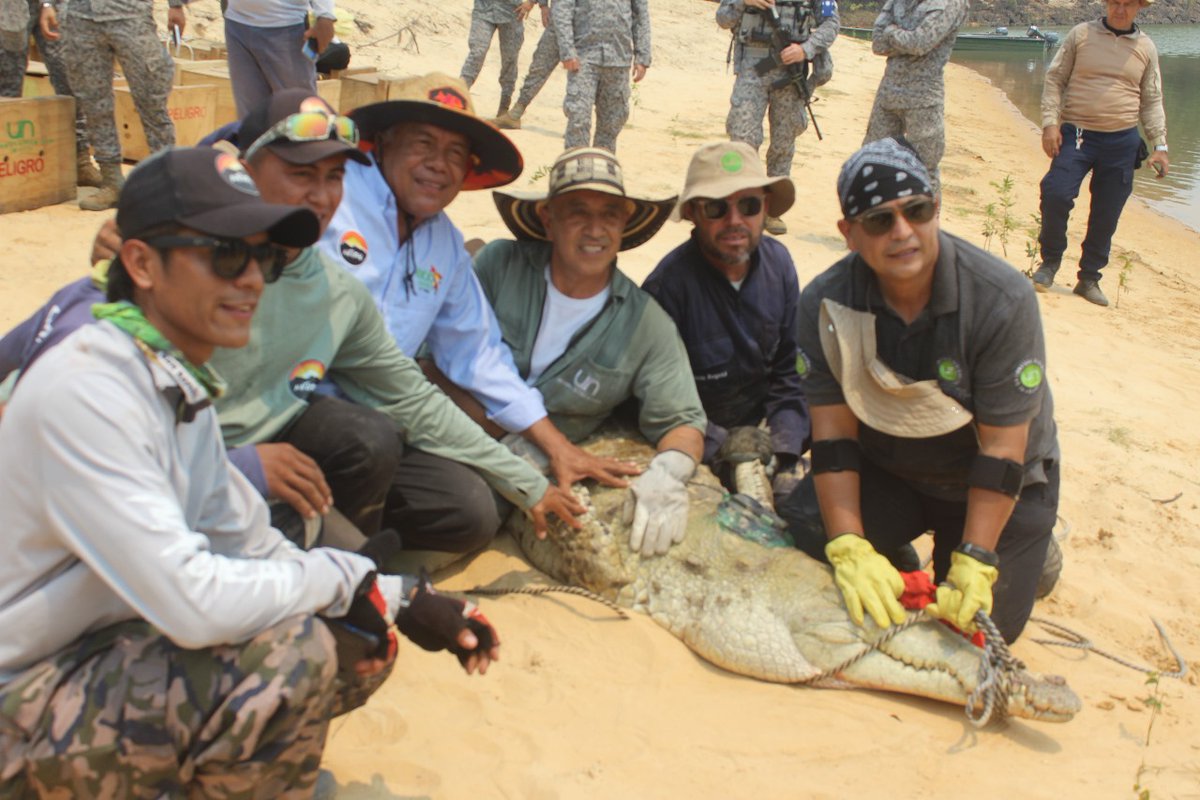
231, 257
718, 209
307, 126
882, 220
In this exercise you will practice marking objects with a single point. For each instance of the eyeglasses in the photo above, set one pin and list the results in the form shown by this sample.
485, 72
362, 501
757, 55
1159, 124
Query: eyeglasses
882, 220
231, 257
717, 209
307, 126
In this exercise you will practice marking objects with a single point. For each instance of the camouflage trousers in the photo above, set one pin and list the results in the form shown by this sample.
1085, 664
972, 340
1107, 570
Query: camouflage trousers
124, 713
512, 36
752, 99
14, 61
147, 67
541, 66
924, 128
607, 90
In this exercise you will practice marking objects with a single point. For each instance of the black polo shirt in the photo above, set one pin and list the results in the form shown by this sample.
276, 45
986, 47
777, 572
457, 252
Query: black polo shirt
980, 338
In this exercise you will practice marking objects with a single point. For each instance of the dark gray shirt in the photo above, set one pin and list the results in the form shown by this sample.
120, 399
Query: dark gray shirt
980, 337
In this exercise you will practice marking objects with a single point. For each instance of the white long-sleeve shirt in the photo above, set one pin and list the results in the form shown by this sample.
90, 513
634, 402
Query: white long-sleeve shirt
113, 509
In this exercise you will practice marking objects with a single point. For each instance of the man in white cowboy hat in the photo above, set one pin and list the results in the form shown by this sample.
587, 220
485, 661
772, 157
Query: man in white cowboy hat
923, 361
391, 231
586, 336
733, 296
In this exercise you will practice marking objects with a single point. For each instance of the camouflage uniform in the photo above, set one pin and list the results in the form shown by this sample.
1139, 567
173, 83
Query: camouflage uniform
124, 712
812, 23
487, 18
607, 37
99, 30
916, 36
541, 65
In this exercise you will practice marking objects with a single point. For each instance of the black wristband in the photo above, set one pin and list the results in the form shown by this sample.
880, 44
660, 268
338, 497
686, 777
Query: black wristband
980, 554
836, 455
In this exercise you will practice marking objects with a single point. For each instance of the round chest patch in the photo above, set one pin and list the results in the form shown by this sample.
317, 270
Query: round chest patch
803, 365
732, 161
353, 248
948, 370
1030, 375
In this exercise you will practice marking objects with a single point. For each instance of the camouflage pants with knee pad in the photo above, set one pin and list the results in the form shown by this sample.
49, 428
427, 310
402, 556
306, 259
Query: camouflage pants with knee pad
752, 99
605, 89
923, 127
124, 712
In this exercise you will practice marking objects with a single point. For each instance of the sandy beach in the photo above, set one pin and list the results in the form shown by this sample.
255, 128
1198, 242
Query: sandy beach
584, 705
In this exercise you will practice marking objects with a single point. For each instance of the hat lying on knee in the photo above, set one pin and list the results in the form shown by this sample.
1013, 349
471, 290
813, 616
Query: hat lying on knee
583, 168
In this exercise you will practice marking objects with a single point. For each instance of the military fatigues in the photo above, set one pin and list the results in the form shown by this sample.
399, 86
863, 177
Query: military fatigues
541, 65
99, 30
916, 36
487, 18
607, 37
814, 25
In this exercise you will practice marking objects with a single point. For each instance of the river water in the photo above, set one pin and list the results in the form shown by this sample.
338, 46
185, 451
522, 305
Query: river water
1021, 76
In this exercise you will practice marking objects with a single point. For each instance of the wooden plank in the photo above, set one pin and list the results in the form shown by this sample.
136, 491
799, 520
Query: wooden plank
213, 73
361, 90
192, 109
330, 90
37, 152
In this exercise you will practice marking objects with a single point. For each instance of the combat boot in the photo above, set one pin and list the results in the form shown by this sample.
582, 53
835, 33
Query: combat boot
86, 172
106, 197
505, 101
776, 226
510, 119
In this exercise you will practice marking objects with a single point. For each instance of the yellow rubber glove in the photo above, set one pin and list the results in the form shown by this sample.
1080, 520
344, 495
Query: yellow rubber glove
968, 588
866, 579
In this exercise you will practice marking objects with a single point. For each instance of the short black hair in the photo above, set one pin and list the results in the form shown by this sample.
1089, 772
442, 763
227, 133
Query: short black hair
119, 285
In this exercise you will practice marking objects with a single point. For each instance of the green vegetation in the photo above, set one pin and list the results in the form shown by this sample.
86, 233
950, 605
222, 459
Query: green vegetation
1153, 702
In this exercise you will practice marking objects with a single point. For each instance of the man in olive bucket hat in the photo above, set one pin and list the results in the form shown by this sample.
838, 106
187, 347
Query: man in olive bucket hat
586, 336
734, 295
923, 361
392, 233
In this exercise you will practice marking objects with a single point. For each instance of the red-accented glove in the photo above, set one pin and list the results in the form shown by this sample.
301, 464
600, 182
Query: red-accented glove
364, 630
433, 622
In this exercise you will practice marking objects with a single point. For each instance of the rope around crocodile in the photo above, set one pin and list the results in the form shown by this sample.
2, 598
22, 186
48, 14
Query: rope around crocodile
1073, 639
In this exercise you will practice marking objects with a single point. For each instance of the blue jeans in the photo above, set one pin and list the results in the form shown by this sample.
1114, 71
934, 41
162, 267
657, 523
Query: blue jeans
1110, 157
263, 61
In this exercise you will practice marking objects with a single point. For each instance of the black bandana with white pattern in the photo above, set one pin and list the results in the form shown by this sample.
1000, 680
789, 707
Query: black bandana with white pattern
881, 171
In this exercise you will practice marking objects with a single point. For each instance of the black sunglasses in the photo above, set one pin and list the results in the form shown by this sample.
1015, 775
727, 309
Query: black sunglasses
880, 221
231, 257
717, 209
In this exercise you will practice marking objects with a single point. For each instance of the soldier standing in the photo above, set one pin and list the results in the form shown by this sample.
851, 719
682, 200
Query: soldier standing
541, 66
812, 26
100, 31
597, 40
487, 18
917, 38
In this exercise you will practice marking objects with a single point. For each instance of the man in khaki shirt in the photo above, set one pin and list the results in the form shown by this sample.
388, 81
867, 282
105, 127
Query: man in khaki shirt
1104, 79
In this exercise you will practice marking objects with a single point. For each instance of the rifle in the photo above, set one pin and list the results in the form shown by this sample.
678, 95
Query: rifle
795, 75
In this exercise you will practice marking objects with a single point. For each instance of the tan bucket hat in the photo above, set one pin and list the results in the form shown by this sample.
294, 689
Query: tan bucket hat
442, 100
879, 396
719, 169
580, 168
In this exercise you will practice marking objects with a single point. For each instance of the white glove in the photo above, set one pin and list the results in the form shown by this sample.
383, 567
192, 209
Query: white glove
661, 497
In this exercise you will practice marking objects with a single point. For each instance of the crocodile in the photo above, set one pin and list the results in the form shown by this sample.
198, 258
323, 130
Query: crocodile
769, 613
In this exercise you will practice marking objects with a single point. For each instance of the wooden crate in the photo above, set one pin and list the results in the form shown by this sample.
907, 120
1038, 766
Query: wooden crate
192, 109
330, 90
37, 152
213, 73
361, 90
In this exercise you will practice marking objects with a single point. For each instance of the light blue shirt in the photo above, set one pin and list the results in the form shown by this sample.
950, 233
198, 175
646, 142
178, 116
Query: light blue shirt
427, 292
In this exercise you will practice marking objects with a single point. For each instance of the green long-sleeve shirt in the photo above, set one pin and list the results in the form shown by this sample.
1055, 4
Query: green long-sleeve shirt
319, 321
630, 349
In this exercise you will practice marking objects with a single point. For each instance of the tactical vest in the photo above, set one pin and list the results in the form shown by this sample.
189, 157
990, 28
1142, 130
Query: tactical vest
797, 18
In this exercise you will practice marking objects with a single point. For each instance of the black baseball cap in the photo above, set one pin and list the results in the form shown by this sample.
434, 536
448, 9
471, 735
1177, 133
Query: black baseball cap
279, 107
209, 191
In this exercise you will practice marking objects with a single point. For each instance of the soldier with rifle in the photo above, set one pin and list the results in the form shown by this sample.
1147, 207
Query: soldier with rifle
780, 53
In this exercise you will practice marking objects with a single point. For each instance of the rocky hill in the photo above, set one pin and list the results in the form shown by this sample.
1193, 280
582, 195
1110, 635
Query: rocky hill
1038, 12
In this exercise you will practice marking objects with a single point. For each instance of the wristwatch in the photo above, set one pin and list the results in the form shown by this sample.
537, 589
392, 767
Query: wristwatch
980, 554
1161, 148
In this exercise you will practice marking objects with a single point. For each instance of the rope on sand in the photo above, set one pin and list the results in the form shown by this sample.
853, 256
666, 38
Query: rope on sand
1076, 640
560, 589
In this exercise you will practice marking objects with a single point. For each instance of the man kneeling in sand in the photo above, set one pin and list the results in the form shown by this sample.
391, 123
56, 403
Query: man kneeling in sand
153, 620
586, 336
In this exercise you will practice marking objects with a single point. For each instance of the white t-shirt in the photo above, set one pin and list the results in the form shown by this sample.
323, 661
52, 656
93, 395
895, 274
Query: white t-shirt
562, 317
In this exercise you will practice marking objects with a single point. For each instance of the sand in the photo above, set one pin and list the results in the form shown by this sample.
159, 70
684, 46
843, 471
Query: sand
584, 705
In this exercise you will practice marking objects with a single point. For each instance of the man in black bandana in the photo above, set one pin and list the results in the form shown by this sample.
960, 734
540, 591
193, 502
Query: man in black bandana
923, 362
